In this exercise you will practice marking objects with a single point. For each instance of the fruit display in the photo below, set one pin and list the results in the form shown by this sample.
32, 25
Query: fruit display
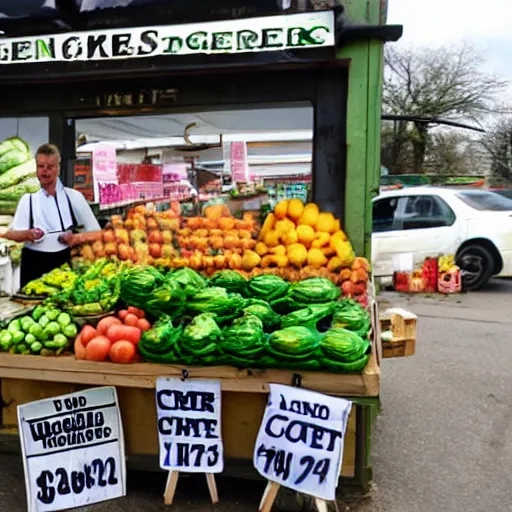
296, 241
17, 173
48, 331
114, 339
144, 237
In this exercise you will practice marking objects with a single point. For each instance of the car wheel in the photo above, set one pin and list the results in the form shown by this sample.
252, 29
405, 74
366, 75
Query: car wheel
477, 265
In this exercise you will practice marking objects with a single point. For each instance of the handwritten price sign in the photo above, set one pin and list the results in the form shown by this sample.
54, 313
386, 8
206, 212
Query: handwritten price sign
73, 450
300, 442
189, 425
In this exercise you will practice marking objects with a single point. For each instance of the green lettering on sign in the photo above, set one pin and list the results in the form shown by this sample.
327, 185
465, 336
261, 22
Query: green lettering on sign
43, 50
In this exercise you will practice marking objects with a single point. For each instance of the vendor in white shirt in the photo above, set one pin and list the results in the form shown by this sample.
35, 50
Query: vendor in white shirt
45, 221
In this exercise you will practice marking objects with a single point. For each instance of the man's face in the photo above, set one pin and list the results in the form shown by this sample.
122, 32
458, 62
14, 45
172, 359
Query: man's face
48, 169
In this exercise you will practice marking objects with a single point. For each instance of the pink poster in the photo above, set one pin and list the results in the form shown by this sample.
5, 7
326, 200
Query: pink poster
104, 169
239, 164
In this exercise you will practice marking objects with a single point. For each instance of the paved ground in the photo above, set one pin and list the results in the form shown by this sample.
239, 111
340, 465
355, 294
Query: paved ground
443, 442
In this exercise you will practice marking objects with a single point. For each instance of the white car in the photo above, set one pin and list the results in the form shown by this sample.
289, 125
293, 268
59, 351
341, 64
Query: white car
474, 225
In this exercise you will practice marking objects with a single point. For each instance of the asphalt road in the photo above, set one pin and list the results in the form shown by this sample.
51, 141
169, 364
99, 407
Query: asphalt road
442, 443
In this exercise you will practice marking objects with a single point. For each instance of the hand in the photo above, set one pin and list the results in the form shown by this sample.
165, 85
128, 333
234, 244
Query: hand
67, 238
34, 234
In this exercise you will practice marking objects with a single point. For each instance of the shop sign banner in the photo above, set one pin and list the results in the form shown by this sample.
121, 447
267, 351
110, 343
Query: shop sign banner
73, 450
252, 35
301, 438
189, 425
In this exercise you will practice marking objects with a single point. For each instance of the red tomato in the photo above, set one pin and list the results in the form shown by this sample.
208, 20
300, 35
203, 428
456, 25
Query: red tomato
105, 323
122, 352
137, 312
87, 334
80, 350
98, 349
124, 332
143, 325
122, 314
131, 319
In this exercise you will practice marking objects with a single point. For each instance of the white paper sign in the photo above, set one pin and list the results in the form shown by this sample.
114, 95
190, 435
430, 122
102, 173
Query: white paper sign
189, 426
300, 442
73, 450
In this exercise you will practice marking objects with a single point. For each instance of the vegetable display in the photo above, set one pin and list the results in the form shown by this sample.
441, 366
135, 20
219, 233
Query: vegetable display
47, 331
114, 339
17, 173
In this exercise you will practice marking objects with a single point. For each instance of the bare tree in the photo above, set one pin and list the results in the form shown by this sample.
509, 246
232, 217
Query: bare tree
498, 143
441, 83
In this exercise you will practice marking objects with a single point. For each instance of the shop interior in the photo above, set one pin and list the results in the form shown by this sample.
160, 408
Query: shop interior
178, 157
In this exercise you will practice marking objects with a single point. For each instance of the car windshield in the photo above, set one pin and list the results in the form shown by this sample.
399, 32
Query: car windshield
485, 201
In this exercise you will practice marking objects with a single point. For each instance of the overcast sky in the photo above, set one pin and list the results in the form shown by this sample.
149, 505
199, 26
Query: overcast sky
487, 24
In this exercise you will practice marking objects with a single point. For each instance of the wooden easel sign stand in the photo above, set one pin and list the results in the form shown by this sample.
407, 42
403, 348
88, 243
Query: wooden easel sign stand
300, 444
189, 431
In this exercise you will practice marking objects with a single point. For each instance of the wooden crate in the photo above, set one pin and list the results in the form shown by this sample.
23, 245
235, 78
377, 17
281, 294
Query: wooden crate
403, 325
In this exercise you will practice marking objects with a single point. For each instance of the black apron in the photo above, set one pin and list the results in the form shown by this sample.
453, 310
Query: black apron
36, 263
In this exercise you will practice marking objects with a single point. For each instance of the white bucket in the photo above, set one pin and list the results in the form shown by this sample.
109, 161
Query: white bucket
403, 262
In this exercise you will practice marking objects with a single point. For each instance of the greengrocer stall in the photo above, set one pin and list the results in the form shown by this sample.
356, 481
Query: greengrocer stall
285, 298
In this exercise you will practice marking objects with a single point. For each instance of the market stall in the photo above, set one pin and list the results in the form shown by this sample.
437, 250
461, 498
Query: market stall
185, 288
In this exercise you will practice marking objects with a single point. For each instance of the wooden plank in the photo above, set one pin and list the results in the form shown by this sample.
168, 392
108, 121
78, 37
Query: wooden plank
143, 375
399, 348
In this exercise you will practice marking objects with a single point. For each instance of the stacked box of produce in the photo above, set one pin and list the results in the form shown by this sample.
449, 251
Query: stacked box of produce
228, 318
145, 236
17, 173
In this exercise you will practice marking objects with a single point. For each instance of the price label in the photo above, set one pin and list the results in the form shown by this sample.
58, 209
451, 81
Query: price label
189, 426
300, 442
73, 450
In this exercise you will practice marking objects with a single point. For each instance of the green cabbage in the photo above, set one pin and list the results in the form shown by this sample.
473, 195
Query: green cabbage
189, 280
18, 174
266, 287
218, 301
310, 316
244, 338
231, 280
13, 143
350, 315
264, 312
13, 158
200, 338
138, 285
16, 192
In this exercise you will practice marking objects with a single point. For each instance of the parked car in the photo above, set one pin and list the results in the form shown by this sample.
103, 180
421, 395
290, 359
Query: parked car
505, 192
474, 225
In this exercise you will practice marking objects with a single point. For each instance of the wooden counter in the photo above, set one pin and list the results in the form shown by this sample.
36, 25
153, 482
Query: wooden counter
244, 396
144, 375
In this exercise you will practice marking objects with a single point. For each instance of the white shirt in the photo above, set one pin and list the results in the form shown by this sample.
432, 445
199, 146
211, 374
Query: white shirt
46, 216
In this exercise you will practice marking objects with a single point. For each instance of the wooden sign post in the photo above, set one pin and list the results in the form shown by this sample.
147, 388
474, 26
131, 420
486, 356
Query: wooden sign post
189, 431
300, 444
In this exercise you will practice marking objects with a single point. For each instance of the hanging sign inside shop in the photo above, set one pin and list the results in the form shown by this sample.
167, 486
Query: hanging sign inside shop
272, 33
301, 438
189, 431
73, 450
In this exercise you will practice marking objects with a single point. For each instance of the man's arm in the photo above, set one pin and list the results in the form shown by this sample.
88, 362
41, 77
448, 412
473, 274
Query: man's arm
19, 229
84, 213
